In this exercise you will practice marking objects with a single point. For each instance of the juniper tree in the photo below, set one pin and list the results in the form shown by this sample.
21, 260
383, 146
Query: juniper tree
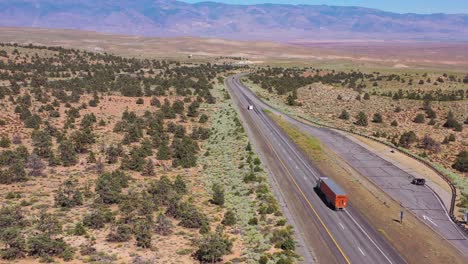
148, 169
68, 155
361, 119
344, 115
377, 118
218, 194
68, 195
42, 143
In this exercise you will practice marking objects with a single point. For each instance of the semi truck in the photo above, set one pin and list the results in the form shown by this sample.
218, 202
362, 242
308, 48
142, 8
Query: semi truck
332, 193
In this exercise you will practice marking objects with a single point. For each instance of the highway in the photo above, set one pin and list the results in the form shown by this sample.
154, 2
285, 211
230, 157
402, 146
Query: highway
327, 236
393, 180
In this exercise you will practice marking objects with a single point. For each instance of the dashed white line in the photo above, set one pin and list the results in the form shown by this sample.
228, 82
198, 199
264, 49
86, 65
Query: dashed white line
428, 219
342, 227
368, 237
362, 252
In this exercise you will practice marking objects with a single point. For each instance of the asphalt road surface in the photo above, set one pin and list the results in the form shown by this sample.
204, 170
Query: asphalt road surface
396, 182
327, 236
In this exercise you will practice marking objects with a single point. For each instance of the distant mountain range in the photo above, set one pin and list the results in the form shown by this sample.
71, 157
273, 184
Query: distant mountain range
286, 23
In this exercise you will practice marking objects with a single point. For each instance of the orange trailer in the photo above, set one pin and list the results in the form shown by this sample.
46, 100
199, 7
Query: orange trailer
334, 195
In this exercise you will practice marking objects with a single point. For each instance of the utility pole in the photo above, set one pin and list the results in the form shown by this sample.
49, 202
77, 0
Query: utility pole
401, 216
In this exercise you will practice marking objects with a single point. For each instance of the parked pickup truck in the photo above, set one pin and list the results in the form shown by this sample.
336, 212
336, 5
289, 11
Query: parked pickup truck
332, 193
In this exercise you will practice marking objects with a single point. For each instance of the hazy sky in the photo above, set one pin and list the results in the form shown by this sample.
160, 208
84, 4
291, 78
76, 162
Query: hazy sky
400, 6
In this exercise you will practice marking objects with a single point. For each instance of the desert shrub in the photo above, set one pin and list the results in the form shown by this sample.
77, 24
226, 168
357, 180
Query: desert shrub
121, 233
155, 102
109, 186
184, 152
344, 115
15, 173
164, 151
229, 218
187, 213
461, 163
33, 121
178, 107
361, 119
81, 140
12, 223
35, 165
203, 119
366, 96
179, 131
88, 120
200, 133
377, 118
431, 113
218, 194
140, 101
179, 185
253, 221
15, 243
163, 225
162, 191
283, 238
148, 169
212, 247
68, 195
394, 123
113, 153
419, 119
407, 139
68, 155
44, 246
193, 109
452, 122
42, 143
451, 137
5, 142
142, 232
98, 218
79, 229
16, 139
430, 144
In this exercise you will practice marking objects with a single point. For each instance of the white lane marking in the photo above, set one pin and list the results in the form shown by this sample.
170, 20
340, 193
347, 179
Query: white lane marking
362, 252
367, 235
342, 227
428, 219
